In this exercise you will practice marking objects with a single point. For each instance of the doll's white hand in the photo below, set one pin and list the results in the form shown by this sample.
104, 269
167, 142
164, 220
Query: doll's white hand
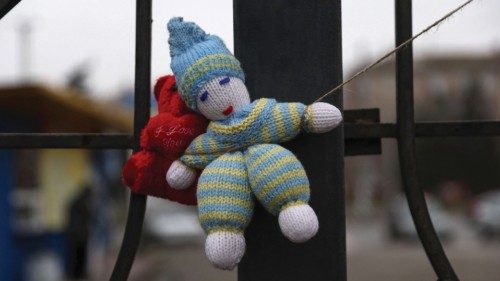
179, 176
323, 117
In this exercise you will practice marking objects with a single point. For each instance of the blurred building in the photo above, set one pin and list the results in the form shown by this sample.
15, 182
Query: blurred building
446, 89
39, 189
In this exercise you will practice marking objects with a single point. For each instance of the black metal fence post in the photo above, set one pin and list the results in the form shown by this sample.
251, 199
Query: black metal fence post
137, 205
406, 145
291, 50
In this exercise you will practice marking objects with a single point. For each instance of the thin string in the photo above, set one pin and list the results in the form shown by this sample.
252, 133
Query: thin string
402, 45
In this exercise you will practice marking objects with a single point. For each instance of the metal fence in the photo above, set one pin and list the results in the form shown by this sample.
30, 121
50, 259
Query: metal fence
291, 49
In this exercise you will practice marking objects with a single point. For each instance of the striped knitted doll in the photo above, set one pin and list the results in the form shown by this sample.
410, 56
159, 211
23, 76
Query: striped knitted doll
239, 153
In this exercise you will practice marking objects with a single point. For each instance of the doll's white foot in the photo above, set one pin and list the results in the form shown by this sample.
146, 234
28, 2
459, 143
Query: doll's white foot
298, 222
180, 176
225, 249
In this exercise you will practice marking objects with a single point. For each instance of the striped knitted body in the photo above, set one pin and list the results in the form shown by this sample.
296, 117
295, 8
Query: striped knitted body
226, 187
253, 167
276, 176
263, 121
224, 197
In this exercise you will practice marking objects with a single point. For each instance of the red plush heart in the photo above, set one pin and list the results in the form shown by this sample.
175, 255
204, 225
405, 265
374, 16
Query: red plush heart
163, 140
168, 134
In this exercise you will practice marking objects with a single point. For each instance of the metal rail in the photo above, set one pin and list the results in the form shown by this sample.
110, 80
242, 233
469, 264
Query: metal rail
425, 129
93, 141
351, 131
406, 146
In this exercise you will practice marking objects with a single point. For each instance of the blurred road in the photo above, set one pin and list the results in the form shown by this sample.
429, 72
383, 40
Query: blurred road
371, 257
409, 263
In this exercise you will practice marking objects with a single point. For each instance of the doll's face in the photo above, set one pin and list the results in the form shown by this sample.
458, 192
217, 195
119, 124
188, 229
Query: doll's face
220, 97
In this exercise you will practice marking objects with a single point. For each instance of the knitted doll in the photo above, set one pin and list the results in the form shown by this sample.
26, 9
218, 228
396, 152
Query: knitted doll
163, 140
239, 152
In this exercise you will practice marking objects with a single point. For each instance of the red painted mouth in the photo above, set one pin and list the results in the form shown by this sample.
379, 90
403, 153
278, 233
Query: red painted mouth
228, 110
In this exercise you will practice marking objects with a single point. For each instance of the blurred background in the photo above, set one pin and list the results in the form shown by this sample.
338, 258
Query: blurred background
68, 66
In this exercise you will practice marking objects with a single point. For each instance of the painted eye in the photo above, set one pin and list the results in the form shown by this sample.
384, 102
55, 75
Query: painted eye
224, 81
204, 96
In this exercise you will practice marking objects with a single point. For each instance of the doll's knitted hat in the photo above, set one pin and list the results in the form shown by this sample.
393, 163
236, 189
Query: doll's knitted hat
198, 57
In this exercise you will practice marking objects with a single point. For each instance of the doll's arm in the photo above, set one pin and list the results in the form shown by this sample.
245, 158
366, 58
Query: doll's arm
290, 118
321, 117
180, 176
182, 173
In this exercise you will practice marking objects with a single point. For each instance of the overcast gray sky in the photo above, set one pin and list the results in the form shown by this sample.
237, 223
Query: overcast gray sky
67, 33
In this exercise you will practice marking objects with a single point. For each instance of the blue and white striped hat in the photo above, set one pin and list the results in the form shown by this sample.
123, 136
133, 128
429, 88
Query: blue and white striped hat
197, 58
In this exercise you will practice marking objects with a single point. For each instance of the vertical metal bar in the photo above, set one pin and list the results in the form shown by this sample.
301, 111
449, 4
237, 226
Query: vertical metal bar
406, 146
290, 50
137, 204
6, 6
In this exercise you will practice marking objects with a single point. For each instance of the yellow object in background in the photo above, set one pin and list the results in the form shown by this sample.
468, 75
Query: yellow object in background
62, 174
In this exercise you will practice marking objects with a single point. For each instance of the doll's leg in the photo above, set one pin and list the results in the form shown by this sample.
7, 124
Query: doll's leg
280, 183
225, 207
